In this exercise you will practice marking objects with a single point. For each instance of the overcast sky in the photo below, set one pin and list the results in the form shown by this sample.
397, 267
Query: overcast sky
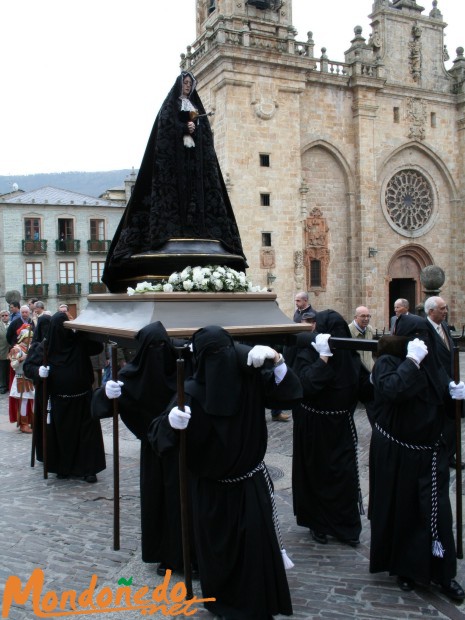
82, 80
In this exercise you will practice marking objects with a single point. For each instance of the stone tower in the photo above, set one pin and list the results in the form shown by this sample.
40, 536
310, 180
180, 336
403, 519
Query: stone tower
346, 177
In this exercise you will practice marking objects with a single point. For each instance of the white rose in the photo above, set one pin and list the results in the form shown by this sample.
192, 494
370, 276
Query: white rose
185, 273
217, 284
187, 285
131, 291
174, 278
167, 288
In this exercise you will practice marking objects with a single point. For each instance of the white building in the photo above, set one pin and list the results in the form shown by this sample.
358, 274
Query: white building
54, 243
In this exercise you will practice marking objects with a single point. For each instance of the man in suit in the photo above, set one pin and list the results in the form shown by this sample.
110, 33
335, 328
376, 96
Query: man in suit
401, 306
12, 331
436, 312
360, 328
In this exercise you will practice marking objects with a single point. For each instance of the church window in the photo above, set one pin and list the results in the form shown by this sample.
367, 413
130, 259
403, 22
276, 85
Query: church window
265, 200
266, 239
409, 200
264, 160
433, 119
315, 273
396, 115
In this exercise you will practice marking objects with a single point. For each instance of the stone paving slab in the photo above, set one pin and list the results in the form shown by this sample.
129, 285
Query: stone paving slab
65, 528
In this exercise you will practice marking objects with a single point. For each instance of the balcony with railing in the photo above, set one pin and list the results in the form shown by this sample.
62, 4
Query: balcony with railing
69, 289
67, 246
97, 287
38, 246
35, 290
100, 245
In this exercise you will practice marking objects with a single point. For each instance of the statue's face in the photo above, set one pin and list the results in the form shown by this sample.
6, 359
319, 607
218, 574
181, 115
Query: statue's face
186, 86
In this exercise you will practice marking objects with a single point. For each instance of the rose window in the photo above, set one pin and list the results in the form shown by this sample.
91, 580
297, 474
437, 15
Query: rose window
409, 200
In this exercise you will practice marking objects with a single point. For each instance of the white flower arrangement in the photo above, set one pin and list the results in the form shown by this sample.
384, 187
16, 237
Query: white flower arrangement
209, 279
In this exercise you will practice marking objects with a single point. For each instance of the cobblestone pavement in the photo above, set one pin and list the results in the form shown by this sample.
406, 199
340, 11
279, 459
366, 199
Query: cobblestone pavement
65, 527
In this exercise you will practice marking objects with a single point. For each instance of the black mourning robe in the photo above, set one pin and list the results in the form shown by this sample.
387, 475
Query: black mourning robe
149, 385
408, 411
179, 194
239, 558
325, 482
77, 437
34, 360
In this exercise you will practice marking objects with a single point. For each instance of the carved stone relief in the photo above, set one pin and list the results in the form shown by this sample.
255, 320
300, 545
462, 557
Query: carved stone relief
316, 243
267, 258
416, 112
415, 53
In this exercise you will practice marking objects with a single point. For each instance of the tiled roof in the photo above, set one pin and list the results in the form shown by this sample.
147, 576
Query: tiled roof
55, 196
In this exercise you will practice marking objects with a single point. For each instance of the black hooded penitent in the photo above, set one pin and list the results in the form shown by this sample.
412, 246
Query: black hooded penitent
179, 213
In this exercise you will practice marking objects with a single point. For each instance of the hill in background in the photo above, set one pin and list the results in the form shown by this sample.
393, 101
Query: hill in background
89, 183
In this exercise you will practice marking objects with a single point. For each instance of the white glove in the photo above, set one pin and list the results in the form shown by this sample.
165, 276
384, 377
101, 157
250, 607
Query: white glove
113, 388
417, 350
259, 354
179, 419
321, 344
44, 371
457, 390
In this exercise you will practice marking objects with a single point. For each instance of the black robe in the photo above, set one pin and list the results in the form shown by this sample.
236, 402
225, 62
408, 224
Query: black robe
34, 360
76, 437
239, 558
179, 194
325, 481
407, 414
149, 383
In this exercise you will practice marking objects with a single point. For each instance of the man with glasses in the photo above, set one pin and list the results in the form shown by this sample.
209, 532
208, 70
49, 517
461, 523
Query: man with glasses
4, 348
360, 328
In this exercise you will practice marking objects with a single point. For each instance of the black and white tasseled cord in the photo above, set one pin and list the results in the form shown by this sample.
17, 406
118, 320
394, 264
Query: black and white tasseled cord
261, 467
436, 545
353, 432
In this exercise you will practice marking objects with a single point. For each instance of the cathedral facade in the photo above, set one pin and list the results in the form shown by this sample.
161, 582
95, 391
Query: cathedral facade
346, 178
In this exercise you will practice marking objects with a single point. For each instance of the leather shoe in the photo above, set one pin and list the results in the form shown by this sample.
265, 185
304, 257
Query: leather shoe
319, 537
281, 417
352, 542
453, 463
405, 584
91, 479
453, 591
162, 568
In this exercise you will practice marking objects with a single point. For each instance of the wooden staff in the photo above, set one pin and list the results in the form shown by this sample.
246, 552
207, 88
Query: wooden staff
186, 552
44, 414
458, 455
116, 518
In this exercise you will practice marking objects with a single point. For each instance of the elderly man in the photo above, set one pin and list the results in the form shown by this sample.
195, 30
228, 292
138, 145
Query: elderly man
436, 313
24, 318
360, 328
401, 306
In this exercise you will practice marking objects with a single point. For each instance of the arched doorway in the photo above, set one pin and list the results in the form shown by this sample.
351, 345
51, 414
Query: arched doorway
404, 277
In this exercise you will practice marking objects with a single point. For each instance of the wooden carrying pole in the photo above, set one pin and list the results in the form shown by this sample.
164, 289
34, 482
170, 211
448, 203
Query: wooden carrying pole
116, 512
458, 456
183, 482
44, 414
